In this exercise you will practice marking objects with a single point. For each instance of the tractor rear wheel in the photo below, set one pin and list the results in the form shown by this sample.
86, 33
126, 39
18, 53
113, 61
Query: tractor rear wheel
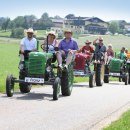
126, 78
99, 74
56, 88
129, 76
9, 86
106, 78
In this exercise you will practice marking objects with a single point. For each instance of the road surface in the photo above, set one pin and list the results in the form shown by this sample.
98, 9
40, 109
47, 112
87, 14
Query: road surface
83, 110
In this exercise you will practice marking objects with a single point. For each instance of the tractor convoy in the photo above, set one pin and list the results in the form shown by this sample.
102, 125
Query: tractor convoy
38, 68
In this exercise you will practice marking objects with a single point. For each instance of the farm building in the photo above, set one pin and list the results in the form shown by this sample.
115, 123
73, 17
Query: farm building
87, 25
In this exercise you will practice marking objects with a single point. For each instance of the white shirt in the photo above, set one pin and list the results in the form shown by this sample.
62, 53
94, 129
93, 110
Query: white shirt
29, 44
51, 47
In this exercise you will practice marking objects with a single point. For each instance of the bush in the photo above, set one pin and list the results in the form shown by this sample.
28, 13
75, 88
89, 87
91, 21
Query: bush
17, 33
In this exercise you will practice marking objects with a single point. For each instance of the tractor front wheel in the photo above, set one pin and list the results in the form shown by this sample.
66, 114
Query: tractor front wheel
56, 88
92, 80
24, 87
9, 86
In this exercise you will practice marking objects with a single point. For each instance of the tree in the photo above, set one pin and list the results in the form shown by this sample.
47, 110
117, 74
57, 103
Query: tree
70, 16
11, 25
17, 33
19, 21
5, 24
45, 16
2, 20
113, 27
29, 20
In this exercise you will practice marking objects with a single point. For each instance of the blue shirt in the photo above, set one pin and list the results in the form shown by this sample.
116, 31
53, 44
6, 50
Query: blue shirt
65, 46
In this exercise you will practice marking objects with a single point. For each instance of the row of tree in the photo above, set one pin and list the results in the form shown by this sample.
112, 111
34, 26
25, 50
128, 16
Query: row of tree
45, 22
26, 22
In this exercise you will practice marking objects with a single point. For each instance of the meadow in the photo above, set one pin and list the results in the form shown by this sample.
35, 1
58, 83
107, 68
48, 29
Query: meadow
122, 124
9, 57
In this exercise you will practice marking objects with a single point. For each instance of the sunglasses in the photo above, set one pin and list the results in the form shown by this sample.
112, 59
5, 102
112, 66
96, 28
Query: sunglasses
51, 35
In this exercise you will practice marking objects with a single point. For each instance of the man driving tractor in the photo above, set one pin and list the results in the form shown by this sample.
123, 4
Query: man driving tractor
83, 56
100, 49
28, 43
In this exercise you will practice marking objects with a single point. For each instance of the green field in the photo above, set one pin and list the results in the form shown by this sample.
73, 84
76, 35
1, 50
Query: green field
5, 34
122, 124
40, 33
9, 54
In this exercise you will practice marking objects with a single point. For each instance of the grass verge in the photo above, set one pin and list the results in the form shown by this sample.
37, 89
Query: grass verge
122, 124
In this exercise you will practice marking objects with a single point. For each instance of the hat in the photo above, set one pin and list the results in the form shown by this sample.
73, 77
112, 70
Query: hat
100, 39
88, 42
67, 30
30, 30
51, 33
109, 45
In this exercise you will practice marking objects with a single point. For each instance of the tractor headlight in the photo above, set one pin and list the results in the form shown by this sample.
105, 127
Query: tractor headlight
21, 66
48, 69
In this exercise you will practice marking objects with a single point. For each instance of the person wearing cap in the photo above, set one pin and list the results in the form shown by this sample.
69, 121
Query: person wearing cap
100, 49
83, 56
52, 44
110, 53
28, 43
87, 49
67, 48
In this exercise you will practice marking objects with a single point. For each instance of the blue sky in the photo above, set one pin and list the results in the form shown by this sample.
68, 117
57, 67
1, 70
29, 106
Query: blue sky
104, 9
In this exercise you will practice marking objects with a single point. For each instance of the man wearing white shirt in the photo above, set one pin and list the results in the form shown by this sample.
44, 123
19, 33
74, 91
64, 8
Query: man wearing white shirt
28, 43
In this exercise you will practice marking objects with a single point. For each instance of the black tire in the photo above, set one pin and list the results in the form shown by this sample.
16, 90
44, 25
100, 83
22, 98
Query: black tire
92, 80
67, 81
129, 76
126, 79
106, 78
120, 79
24, 87
99, 74
9, 86
56, 88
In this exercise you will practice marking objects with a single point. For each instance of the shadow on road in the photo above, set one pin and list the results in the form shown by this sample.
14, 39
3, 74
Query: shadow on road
81, 85
116, 83
37, 96
32, 96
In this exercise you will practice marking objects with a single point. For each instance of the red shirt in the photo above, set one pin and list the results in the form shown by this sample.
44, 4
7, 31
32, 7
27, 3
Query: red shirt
87, 50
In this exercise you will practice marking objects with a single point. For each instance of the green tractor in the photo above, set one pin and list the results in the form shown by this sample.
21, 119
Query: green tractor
37, 68
128, 65
116, 68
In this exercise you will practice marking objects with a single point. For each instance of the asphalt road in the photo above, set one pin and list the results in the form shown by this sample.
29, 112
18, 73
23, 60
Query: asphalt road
84, 109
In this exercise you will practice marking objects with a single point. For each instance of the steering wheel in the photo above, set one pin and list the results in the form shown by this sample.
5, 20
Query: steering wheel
42, 46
